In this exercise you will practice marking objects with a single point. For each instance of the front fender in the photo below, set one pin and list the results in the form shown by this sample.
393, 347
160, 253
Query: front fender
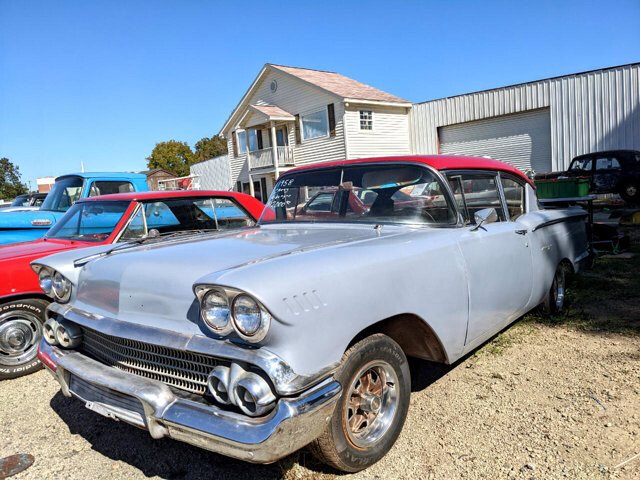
322, 299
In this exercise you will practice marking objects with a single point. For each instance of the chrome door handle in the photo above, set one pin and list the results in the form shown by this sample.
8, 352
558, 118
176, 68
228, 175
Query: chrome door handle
521, 232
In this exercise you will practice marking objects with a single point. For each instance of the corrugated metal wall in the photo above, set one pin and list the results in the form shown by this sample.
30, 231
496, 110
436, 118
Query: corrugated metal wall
214, 174
590, 111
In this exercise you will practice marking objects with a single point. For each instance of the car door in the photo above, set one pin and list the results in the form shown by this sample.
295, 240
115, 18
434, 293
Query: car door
607, 174
497, 255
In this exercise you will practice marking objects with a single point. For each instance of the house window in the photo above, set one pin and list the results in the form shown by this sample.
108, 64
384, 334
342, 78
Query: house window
366, 120
253, 140
242, 142
315, 125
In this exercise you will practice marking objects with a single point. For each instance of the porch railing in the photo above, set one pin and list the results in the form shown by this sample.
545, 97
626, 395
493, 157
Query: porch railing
264, 158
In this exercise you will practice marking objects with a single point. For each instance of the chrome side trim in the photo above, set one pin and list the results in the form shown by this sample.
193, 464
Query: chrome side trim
285, 380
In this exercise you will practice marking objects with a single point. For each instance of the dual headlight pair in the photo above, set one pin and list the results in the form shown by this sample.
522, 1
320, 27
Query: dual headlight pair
225, 310
53, 283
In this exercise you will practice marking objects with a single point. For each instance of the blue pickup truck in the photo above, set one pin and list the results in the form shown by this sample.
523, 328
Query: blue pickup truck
26, 226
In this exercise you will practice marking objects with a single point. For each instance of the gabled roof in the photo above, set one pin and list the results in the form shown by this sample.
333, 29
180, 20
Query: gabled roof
339, 85
273, 112
345, 88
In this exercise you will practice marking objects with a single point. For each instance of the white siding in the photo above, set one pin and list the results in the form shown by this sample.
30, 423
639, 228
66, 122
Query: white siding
590, 111
390, 134
296, 97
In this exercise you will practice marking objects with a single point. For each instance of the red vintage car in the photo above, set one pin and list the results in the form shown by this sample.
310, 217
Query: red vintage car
135, 216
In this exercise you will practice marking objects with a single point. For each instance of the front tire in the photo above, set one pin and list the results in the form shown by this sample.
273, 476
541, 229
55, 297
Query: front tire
20, 333
376, 383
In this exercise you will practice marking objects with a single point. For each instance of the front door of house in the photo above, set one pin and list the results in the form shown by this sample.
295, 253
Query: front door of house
281, 136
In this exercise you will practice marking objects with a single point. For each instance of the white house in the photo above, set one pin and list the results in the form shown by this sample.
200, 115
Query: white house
294, 116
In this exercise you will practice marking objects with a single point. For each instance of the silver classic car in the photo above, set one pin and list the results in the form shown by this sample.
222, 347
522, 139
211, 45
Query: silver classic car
256, 342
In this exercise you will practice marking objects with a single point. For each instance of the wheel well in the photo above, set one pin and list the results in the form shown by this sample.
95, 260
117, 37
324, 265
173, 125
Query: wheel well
413, 335
24, 296
568, 265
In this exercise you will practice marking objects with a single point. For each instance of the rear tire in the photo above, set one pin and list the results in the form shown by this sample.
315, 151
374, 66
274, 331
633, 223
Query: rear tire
376, 384
554, 302
20, 333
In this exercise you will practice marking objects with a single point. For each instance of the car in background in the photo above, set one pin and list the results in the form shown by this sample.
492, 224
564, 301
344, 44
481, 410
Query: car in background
25, 226
148, 217
610, 171
297, 331
26, 202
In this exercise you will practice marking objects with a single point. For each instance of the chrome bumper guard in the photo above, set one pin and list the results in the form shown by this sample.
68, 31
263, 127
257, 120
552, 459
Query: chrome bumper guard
294, 422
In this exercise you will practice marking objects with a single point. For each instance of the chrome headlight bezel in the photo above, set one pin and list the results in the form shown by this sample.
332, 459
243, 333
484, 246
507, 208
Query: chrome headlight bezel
263, 321
45, 279
220, 328
61, 287
234, 325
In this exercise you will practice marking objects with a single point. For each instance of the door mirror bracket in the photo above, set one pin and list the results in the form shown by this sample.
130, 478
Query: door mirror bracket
484, 216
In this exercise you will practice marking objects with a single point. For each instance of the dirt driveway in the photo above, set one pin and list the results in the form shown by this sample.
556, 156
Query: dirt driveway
546, 399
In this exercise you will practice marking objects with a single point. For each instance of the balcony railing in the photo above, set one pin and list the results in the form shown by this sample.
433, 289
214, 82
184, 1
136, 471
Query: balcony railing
264, 158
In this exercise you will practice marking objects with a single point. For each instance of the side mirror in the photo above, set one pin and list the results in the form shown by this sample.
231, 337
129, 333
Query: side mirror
486, 215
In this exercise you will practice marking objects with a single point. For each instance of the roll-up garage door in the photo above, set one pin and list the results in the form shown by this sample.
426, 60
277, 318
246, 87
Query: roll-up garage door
521, 139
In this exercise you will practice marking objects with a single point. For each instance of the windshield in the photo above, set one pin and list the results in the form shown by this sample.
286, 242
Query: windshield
89, 221
381, 193
21, 201
186, 214
63, 195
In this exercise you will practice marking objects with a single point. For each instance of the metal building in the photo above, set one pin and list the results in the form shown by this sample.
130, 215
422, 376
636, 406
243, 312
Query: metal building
212, 174
538, 125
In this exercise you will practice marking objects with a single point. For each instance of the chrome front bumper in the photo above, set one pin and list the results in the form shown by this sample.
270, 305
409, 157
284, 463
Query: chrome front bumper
152, 405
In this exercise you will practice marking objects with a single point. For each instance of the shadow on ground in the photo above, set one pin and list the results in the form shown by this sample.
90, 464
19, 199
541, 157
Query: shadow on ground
164, 458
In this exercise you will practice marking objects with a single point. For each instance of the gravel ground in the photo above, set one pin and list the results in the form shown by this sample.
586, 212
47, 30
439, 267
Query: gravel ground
542, 400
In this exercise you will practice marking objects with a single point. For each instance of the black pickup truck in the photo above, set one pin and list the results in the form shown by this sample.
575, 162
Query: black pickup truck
612, 171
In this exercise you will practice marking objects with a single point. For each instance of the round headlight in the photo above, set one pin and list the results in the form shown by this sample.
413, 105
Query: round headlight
44, 277
214, 310
251, 321
61, 287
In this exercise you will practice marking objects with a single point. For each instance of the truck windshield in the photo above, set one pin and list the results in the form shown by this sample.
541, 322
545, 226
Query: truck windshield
63, 195
21, 201
385, 193
89, 221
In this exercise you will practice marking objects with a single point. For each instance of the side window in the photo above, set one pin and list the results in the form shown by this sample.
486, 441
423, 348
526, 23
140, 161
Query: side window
159, 216
107, 188
581, 164
136, 228
225, 212
514, 195
474, 192
607, 164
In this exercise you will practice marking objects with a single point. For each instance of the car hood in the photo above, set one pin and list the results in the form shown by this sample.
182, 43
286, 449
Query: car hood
36, 248
34, 219
153, 283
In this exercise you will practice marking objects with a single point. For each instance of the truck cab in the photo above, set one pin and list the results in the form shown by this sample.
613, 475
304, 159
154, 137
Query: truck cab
30, 225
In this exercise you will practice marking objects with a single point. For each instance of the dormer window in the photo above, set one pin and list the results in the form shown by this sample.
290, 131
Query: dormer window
366, 120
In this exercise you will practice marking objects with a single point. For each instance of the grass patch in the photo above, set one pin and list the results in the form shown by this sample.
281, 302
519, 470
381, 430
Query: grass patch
605, 298
513, 336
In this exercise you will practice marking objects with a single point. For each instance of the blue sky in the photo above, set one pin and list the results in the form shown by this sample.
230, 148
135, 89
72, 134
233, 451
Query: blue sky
103, 81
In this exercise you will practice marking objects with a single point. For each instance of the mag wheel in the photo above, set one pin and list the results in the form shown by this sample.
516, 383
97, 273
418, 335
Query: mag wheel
20, 332
369, 417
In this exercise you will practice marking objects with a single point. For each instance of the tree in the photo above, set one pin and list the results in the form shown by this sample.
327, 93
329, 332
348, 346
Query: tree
10, 184
173, 156
207, 148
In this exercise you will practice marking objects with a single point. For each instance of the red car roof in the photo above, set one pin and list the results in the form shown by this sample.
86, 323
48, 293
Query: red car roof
251, 204
439, 162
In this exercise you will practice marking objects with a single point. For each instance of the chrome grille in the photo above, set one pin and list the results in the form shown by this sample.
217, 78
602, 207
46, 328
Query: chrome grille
184, 370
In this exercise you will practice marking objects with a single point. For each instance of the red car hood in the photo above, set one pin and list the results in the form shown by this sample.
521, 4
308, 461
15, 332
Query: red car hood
38, 248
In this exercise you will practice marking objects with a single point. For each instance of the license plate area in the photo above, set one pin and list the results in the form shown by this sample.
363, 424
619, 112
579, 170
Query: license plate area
107, 402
